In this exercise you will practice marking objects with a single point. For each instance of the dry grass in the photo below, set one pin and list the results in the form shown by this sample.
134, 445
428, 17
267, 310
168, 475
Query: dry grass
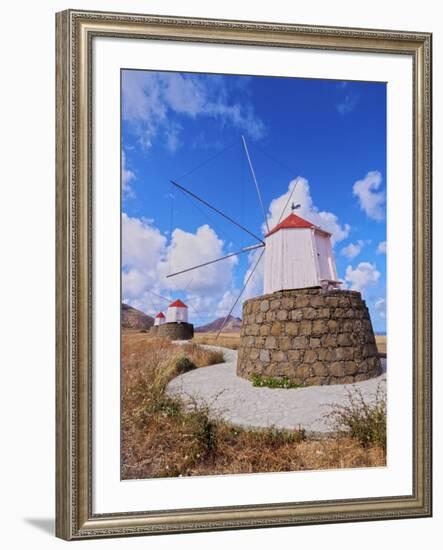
381, 343
226, 339
161, 437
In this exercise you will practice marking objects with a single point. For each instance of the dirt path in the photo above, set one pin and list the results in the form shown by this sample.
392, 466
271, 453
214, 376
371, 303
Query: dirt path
236, 400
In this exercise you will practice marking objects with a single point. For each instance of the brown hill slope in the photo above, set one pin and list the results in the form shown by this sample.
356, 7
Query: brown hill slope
233, 324
135, 319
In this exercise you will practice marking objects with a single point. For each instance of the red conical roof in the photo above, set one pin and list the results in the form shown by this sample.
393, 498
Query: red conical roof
177, 303
294, 222
160, 315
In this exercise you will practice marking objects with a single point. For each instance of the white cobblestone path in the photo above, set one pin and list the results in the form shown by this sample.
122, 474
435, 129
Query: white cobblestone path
237, 401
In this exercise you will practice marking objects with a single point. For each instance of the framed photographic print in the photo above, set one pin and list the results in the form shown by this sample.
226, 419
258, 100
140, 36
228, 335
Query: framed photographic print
243, 274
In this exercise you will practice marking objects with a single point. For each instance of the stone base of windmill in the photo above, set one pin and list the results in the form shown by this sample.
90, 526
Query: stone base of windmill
310, 336
175, 331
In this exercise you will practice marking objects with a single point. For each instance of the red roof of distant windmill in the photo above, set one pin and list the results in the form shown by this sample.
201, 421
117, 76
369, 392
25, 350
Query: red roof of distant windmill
294, 222
177, 303
160, 315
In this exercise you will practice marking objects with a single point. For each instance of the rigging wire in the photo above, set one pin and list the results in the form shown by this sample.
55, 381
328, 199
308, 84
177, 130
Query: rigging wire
282, 164
207, 161
241, 292
184, 190
247, 249
211, 219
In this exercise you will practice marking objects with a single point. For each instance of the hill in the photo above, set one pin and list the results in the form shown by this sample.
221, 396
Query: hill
233, 324
135, 319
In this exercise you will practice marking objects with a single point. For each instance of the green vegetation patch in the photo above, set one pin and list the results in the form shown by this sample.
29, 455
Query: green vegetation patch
274, 382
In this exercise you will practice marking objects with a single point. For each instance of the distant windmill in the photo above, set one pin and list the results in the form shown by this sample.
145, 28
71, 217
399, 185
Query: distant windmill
293, 259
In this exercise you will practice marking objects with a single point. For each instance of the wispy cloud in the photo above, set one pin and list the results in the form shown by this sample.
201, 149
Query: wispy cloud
352, 250
127, 177
380, 308
371, 200
364, 275
151, 98
347, 98
347, 104
302, 195
381, 248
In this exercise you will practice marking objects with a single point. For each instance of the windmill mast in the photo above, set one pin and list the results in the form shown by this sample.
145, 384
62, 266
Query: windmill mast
256, 183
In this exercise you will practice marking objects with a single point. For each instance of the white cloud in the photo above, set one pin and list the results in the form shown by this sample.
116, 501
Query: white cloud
352, 250
347, 104
370, 199
380, 308
149, 99
381, 248
147, 258
127, 176
364, 275
326, 220
191, 249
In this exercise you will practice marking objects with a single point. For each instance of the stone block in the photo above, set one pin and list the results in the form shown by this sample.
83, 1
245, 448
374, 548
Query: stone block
310, 313
278, 356
305, 328
276, 328
285, 343
297, 314
344, 339
319, 327
337, 369
302, 301
315, 342
271, 342
310, 356
350, 368
295, 355
320, 369
282, 315
329, 340
300, 342
344, 354
292, 328
303, 372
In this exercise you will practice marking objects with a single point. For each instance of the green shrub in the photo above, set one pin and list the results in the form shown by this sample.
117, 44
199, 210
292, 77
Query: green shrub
363, 420
183, 364
273, 382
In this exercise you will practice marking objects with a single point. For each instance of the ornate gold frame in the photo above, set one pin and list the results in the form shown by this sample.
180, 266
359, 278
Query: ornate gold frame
75, 32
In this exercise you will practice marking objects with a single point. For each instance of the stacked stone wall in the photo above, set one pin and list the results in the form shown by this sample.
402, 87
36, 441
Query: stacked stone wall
175, 331
311, 336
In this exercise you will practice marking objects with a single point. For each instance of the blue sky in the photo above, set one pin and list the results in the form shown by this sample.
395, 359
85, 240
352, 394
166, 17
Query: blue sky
326, 137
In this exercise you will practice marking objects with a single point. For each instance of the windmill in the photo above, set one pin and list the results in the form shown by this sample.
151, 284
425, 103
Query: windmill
293, 259
304, 327
175, 323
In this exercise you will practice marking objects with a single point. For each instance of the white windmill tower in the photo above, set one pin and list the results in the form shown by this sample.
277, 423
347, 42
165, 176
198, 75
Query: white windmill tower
159, 319
298, 255
177, 312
